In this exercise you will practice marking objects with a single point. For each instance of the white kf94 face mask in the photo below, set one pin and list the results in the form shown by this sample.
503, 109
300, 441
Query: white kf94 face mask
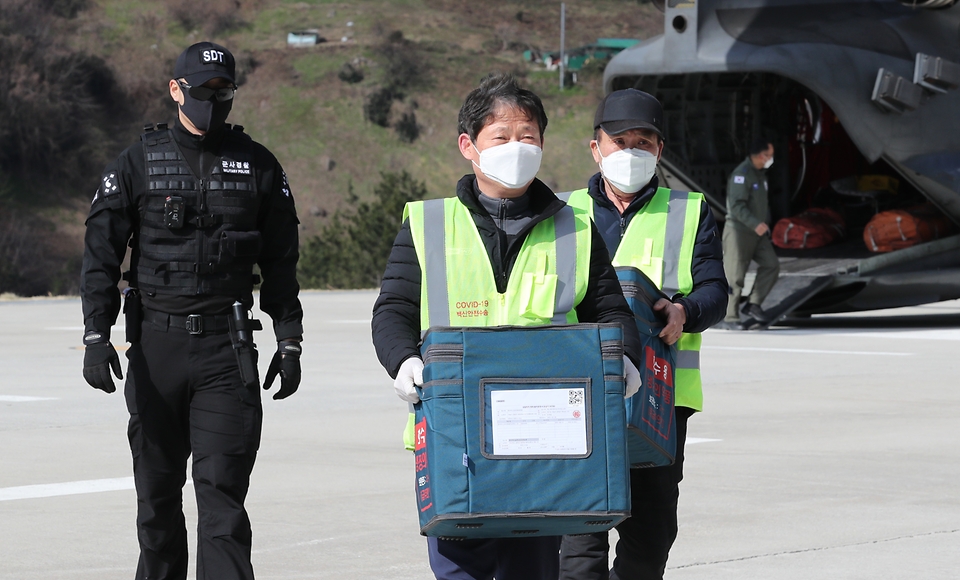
512, 165
628, 169
768, 163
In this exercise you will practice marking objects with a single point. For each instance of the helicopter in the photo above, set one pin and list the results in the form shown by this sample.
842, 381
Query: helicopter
844, 90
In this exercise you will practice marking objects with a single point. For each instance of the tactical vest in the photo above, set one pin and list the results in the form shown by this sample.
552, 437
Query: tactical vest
457, 285
659, 241
458, 288
197, 236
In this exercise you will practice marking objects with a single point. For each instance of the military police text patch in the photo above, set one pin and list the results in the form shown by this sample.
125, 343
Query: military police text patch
286, 186
738, 179
238, 167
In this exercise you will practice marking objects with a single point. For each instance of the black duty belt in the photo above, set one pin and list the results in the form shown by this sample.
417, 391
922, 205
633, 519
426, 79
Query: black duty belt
192, 323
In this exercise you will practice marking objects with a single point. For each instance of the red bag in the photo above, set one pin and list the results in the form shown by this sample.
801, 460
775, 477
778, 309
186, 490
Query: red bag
814, 228
901, 228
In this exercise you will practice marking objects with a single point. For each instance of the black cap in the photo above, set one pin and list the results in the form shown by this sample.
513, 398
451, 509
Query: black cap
204, 61
629, 109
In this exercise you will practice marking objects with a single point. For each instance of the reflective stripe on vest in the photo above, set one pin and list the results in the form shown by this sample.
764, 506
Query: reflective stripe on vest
673, 241
548, 280
659, 241
689, 359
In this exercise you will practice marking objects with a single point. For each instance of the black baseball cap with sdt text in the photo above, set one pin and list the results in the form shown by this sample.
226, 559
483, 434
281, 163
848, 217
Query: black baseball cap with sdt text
629, 109
204, 61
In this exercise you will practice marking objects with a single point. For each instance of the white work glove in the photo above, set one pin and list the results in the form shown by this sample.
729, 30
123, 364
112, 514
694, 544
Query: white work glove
410, 374
631, 377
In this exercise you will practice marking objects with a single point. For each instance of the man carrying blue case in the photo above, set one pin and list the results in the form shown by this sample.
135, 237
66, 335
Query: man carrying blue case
504, 251
669, 236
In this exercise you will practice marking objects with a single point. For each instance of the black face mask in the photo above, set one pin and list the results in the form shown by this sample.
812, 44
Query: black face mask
205, 115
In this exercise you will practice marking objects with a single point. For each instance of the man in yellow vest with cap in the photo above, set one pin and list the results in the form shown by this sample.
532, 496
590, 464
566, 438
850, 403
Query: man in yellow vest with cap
671, 236
504, 251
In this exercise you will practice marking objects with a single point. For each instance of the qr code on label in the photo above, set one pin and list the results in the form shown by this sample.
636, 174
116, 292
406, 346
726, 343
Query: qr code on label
576, 396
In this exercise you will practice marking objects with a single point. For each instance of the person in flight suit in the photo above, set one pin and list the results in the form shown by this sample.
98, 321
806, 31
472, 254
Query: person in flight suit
671, 237
200, 204
746, 234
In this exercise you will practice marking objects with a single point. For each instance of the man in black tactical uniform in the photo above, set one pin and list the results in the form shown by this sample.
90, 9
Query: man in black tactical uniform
199, 204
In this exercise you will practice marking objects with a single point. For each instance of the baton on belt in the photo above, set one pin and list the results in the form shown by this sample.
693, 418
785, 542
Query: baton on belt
132, 314
241, 335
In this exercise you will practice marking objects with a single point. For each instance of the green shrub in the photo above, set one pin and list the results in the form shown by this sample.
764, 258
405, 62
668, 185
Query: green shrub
213, 17
65, 8
350, 74
404, 65
407, 128
352, 250
377, 107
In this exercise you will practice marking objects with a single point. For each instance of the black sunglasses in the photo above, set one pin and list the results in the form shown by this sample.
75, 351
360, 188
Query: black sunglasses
206, 93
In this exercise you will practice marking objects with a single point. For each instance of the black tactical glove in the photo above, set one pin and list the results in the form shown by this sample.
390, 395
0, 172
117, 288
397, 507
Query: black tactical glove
98, 358
287, 363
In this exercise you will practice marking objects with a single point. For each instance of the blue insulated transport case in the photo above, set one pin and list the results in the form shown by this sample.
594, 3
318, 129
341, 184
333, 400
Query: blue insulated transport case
521, 431
651, 424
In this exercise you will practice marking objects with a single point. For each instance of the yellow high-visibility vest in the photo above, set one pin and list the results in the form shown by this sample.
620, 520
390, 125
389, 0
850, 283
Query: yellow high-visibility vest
659, 241
457, 282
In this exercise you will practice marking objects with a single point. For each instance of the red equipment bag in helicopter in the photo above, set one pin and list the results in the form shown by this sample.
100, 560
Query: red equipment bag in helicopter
814, 228
901, 228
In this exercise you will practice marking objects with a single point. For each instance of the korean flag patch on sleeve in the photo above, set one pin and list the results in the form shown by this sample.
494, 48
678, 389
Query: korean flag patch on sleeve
738, 179
110, 184
108, 191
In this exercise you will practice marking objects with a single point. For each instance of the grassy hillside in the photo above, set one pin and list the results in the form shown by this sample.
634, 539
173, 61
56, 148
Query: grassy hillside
293, 101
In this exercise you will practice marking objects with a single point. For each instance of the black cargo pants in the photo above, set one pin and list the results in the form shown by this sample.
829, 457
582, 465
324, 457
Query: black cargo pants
645, 537
184, 395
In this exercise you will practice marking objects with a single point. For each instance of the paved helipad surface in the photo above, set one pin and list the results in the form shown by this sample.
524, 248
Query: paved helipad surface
828, 451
